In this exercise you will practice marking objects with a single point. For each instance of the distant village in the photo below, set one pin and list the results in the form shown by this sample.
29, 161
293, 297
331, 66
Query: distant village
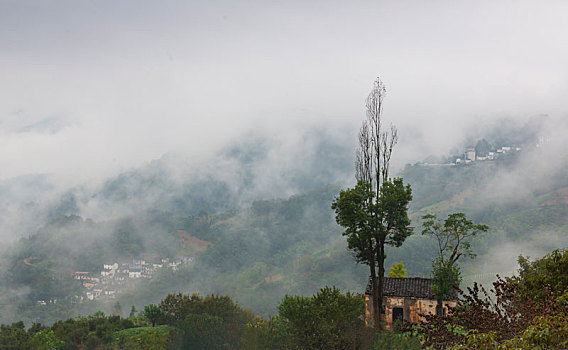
470, 155
116, 276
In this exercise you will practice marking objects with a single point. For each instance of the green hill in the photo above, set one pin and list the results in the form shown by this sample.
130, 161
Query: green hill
258, 250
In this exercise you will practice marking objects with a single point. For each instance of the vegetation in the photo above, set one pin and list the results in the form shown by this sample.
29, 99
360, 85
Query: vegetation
256, 256
270, 251
396, 341
397, 270
548, 271
512, 319
327, 320
453, 239
265, 249
153, 313
371, 223
375, 212
447, 278
161, 337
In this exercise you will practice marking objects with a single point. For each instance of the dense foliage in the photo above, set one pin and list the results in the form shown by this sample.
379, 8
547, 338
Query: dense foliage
550, 271
511, 319
372, 222
453, 237
327, 320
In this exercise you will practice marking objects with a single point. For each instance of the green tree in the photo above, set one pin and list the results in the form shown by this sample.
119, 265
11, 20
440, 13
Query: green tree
273, 333
132, 311
453, 238
117, 309
177, 306
373, 222
327, 320
153, 313
203, 331
396, 341
13, 336
45, 339
550, 271
482, 148
446, 276
160, 337
200, 318
397, 270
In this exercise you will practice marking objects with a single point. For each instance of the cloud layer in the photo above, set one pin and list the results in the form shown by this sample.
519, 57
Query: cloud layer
90, 89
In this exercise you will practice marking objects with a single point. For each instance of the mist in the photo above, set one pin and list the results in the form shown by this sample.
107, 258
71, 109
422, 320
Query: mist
93, 89
130, 110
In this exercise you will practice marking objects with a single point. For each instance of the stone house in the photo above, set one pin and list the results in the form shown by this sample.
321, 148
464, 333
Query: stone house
404, 299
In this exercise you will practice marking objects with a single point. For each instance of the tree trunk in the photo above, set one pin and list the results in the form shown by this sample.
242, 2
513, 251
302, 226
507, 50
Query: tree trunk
439, 307
381, 277
374, 288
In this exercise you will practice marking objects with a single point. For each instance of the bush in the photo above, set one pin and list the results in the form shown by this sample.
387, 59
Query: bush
327, 320
528, 311
387, 340
159, 337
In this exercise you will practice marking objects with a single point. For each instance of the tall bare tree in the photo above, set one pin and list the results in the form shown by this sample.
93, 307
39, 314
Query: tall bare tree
375, 211
375, 143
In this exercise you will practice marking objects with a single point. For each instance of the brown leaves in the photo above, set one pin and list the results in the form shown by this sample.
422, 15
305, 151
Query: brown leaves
503, 314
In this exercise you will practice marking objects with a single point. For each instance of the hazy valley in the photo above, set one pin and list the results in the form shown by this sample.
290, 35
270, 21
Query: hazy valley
255, 223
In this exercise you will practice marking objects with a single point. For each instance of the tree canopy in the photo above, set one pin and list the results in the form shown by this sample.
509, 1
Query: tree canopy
453, 238
370, 224
327, 320
548, 274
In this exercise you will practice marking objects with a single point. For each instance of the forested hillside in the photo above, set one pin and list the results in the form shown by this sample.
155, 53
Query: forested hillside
238, 238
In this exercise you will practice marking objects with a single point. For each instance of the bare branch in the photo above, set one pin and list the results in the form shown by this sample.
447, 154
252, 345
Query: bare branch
375, 145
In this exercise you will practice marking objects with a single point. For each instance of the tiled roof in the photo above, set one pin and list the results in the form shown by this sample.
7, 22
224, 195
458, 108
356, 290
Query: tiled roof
415, 287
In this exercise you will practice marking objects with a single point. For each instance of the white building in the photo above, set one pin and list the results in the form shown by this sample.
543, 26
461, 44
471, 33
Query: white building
469, 154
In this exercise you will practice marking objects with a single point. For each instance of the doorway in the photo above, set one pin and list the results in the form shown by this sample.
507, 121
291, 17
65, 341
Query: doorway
397, 314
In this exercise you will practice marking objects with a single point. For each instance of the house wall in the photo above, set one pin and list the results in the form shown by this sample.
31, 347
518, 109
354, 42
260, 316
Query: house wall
412, 308
368, 311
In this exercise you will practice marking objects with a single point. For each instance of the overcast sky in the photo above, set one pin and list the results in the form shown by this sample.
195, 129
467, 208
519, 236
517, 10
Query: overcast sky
90, 88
